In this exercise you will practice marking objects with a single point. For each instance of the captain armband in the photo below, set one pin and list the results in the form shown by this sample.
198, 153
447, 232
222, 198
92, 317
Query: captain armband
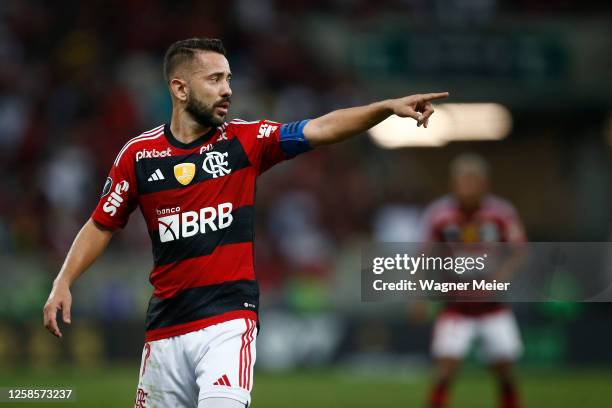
292, 139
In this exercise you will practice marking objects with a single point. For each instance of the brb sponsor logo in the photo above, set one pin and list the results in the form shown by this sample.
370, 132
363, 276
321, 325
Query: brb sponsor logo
115, 198
190, 223
153, 154
169, 210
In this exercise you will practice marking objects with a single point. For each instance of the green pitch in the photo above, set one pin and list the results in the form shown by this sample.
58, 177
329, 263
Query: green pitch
115, 387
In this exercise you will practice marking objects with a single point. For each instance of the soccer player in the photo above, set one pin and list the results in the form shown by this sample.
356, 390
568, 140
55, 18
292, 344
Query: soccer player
194, 181
470, 214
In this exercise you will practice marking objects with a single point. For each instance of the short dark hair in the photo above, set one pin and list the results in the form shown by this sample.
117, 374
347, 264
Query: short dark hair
471, 162
184, 50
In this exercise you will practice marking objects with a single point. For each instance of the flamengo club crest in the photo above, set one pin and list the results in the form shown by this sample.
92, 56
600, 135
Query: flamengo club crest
184, 173
215, 163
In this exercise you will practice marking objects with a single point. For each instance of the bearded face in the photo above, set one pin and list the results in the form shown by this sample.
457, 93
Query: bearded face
203, 85
205, 115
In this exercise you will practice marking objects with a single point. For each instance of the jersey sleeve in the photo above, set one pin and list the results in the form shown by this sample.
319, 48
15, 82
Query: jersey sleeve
119, 195
430, 223
268, 143
426, 226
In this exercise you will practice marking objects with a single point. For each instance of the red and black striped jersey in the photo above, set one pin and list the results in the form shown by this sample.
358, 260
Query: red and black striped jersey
198, 203
495, 220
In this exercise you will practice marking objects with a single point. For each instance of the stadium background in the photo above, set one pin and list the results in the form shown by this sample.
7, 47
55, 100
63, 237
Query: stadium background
77, 79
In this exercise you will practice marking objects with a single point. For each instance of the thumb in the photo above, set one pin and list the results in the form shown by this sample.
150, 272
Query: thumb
411, 113
66, 312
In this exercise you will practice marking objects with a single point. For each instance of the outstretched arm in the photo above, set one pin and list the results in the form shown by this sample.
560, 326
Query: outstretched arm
89, 243
341, 124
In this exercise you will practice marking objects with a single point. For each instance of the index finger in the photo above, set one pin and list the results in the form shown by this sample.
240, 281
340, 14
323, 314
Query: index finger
435, 95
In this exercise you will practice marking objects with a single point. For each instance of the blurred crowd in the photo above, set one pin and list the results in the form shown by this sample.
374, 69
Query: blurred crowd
77, 82
79, 79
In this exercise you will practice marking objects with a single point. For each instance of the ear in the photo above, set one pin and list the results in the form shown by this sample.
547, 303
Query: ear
179, 89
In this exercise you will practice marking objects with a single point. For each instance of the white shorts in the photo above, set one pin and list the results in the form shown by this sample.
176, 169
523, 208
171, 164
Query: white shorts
498, 333
214, 362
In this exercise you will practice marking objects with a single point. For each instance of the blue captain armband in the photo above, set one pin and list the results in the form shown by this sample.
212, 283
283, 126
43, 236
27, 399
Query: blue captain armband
292, 139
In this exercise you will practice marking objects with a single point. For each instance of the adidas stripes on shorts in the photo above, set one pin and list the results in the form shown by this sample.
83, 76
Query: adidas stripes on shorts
214, 362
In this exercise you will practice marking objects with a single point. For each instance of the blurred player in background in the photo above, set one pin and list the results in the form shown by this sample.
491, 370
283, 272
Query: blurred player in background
194, 181
469, 215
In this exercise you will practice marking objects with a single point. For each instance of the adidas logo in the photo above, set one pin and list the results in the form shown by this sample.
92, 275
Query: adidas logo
223, 380
157, 175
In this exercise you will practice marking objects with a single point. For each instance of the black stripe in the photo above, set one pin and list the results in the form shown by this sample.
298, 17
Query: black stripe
236, 158
240, 230
202, 302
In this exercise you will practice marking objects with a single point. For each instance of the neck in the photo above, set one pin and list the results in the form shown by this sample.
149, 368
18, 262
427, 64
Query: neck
184, 128
470, 207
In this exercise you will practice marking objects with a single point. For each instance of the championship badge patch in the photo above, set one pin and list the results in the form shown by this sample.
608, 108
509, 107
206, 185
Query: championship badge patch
184, 172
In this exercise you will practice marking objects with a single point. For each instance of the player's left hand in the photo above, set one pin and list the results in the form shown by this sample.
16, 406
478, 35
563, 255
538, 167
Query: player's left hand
417, 107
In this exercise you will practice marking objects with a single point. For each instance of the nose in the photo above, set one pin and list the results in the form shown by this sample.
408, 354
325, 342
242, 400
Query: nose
226, 90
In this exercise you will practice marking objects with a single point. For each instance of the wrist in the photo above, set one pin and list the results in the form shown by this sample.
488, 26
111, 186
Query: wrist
61, 283
386, 106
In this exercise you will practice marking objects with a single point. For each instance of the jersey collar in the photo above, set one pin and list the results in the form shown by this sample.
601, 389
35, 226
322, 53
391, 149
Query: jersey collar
198, 142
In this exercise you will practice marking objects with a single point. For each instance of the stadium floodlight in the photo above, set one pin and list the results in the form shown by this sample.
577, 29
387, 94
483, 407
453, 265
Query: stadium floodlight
451, 122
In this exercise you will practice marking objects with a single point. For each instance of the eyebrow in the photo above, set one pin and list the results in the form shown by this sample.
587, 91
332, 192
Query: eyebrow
216, 73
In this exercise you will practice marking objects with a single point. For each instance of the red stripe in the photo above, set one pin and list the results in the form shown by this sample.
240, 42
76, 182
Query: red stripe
144, 137
222, 381
147, 354
245, 381
245, 373
177, 330
241, 354
237, 188
472, 309
274, 152
226, 380
226, 263
250, 358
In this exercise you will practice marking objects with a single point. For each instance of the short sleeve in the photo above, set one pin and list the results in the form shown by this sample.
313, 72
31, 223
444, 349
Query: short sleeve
268, 143
426, 226
513, 226
119, 196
